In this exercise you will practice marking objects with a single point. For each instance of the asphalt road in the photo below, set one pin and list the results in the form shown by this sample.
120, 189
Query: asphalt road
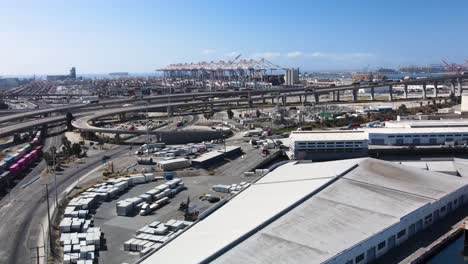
23, 210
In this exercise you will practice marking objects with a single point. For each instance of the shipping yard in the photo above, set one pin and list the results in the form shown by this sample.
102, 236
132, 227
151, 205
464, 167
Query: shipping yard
233, 133
197, 140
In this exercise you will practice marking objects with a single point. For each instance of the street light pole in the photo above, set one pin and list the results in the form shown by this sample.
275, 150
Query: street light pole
48, 216
55, 175
147, 121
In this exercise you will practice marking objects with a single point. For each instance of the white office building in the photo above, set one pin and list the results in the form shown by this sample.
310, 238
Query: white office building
416, 136
321, 145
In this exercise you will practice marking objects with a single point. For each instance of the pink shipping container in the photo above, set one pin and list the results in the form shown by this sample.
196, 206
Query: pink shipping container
21, 164
28, 159
39, 150
14, 169
34, 155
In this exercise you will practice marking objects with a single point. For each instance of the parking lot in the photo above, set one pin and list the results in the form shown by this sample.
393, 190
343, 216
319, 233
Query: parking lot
118, 229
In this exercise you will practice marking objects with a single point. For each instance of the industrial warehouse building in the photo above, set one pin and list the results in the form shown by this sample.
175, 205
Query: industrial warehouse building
349, 211
416, 136
322, 145
342, 144
215, 157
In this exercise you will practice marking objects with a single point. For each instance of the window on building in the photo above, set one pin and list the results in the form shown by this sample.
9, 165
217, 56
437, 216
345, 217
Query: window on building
424, 136
359, 258
381, 245
407, 136
442, 209
458, 135
350, 261
401, 233
428, 219
449, 139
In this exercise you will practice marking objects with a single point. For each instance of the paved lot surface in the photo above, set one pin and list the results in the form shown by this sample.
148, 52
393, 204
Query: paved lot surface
118, 229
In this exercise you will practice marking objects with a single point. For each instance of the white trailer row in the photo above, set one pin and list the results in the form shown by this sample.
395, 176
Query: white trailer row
232, 189
81, 247
80, 240
174, 164
154, 235
151, 200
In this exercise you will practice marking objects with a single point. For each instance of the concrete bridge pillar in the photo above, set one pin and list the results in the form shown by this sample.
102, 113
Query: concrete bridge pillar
424, 94
317, 98
372, 93
337, 96
355, 95
305, 98
300, 98
263, 100
435, 89
273, 101
453, 88
390, 93
283, 98
460, 85
169, 111
405, 91
333, 95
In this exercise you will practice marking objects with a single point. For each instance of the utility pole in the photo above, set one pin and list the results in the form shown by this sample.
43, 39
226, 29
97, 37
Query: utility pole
55, 175
48, 216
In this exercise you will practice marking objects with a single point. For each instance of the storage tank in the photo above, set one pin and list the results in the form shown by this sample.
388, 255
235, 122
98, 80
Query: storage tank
145, 161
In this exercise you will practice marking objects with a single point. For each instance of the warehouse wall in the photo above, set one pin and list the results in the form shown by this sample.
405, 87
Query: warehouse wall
409, 223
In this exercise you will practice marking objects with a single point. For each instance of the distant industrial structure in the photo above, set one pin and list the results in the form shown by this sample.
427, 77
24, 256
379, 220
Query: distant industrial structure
222, 70
9, 82
291, 76
118, 74
71, 76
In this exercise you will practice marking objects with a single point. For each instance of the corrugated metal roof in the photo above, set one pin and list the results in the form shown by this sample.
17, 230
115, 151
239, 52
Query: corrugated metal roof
330, 135
366, 200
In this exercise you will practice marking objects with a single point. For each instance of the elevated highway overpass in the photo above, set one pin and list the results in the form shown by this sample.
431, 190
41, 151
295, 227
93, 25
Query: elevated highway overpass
456, 82
193, 99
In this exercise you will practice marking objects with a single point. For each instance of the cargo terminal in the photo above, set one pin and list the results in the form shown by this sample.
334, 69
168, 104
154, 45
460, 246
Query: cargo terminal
348, 211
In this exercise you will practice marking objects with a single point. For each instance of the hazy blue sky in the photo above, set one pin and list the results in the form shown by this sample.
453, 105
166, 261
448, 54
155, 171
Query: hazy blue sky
140, 36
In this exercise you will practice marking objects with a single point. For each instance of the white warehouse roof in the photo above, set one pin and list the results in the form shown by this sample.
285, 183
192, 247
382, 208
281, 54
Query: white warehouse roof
427, 123
328, 135
419, 130
300, 213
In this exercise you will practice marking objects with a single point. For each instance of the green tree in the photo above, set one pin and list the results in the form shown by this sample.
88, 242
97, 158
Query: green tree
76, 149
69, 118
230, 114
48, 158
67, 145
